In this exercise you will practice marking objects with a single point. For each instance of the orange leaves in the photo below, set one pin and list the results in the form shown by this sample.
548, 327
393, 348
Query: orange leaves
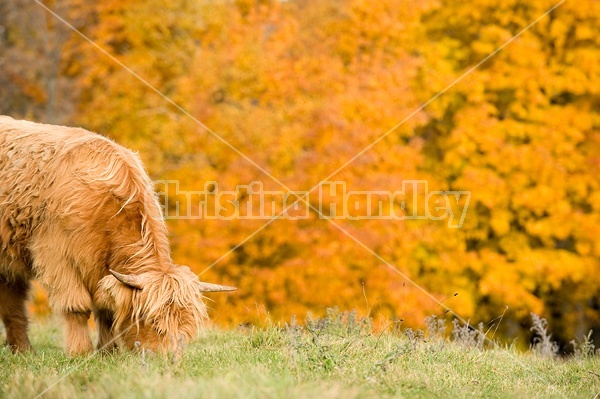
500, 221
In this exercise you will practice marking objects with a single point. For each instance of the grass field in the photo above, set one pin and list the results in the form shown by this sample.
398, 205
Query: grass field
336, 357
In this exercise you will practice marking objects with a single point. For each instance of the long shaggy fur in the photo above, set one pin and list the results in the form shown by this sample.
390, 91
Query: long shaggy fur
74, 205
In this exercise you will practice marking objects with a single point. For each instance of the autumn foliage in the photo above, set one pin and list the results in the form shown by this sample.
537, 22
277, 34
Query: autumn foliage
301, 87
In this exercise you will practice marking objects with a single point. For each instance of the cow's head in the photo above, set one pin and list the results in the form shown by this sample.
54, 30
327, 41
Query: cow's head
156, 310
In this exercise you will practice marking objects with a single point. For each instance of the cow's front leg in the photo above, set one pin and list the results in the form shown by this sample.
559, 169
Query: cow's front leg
78, 335
64, 280
106, 339
13, 314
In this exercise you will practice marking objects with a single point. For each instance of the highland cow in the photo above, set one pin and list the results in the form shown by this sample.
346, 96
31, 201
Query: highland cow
79, 214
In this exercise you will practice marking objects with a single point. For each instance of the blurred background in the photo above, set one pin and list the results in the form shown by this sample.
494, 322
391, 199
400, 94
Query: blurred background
301, 87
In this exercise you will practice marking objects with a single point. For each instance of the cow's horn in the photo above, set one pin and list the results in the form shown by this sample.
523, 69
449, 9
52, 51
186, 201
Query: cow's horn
131, 280
208, 287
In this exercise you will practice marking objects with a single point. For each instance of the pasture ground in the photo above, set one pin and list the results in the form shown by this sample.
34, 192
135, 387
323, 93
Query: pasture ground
336, 357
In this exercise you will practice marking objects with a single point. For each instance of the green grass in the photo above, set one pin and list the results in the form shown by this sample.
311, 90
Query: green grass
329, 358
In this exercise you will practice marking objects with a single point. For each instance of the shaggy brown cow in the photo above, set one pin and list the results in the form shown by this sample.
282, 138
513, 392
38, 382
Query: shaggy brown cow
78, 213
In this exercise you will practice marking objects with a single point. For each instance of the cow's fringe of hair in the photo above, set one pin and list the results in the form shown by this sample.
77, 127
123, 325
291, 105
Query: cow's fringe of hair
171, 302
164, 297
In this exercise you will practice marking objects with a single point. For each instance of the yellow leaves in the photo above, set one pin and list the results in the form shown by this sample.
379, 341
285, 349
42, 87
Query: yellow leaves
558, 31
491, 38
514, 244
385, 24
594, 200
583, 248
537, 199
500, 221
556, 266
522, 141
486, 186
507, 284
584, 32
39, 304
587, 233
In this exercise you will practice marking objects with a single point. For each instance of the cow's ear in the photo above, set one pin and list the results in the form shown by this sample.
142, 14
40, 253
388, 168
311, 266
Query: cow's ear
208, 287
131, 280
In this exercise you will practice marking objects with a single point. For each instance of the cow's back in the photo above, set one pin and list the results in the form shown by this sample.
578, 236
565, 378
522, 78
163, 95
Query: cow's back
54, 182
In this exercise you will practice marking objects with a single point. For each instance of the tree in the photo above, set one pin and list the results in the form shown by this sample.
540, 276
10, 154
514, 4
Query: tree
36, 60
300, 88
